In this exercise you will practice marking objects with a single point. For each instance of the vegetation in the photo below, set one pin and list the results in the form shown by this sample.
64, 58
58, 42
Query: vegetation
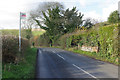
64, 29
58, 22
10, 48
24, 70
114, 17
15, 64
26, 33
95, 55
105, 38
14, 32
37, 33
67, 29
72, 19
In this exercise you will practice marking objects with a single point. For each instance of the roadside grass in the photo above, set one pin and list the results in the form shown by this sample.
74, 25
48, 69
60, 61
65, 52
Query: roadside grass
25, 69
98, 56
94, 55
36, 33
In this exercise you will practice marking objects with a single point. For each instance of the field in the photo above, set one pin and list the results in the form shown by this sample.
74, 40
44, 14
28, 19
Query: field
15, 32
36, 33
10, 32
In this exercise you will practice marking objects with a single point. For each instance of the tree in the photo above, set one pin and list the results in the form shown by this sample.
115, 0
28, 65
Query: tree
48, 17
52, 23
27, 29
88, 23
37, 14
72, 19
56, 21
113, 17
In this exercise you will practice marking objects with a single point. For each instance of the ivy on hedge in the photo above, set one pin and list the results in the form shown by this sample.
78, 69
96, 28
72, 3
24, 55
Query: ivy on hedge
106, 38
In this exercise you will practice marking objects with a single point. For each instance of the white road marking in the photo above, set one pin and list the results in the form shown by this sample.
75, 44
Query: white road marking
44, 50
40, 51
61, 57
84, 71
53, 51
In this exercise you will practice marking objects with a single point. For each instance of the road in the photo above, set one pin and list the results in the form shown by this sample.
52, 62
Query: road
58, 63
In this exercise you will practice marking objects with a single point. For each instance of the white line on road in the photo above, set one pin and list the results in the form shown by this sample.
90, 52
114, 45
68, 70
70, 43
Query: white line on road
53, 51
40, 51
84, 71
61, 57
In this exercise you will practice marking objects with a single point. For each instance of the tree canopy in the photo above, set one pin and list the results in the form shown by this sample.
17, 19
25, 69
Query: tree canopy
57, 21
113, 17
72, 19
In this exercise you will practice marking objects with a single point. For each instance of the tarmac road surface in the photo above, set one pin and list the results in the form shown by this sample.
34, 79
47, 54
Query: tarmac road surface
58, 63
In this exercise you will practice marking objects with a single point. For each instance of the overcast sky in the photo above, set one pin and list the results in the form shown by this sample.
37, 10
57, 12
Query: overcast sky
97, 9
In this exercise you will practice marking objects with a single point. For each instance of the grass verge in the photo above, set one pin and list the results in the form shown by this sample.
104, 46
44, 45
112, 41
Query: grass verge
98, 56
94, 55
24, 70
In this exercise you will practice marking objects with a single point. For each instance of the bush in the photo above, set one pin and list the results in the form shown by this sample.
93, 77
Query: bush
24, 70
10, 48
105, 38
108, 38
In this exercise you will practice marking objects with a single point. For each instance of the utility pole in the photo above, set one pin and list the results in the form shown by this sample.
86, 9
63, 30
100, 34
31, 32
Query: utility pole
22, 16
20, 34
119, 9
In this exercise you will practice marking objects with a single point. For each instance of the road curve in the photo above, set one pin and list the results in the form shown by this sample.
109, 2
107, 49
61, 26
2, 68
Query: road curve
58, 63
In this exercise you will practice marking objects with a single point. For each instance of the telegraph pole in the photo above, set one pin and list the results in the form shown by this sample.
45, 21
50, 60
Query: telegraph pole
20, 34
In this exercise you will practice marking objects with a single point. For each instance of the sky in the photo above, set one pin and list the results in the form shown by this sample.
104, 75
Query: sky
95, 9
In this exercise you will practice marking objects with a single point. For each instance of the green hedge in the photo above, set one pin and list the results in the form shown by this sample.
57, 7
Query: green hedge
10, 48
106, 38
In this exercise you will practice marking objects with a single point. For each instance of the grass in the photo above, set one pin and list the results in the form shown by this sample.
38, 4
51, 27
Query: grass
98, 56
94, 55
36, 33
16, 32
24, 69
10, 32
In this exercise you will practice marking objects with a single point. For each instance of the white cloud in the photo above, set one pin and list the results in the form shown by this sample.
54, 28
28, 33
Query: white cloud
9, 12
10, 9
106, 11
82, 2
93, 15
106, 7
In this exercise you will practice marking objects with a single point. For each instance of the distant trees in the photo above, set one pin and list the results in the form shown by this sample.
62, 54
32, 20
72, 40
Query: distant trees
113, 17
27, 30
88, 23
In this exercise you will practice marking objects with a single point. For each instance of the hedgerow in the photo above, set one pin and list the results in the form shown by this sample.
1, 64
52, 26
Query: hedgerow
10, 48
105, 38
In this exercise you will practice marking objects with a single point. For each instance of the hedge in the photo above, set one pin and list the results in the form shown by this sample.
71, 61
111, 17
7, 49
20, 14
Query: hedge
10, 48
106, 38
